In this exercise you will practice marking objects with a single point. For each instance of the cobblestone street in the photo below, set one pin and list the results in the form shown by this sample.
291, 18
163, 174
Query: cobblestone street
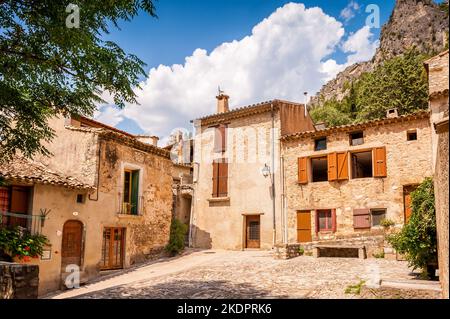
247, 274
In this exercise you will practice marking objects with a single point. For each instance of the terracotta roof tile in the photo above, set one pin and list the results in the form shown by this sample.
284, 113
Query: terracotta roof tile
26, 170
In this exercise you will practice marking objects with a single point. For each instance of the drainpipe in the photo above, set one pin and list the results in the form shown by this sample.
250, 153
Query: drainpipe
273, 175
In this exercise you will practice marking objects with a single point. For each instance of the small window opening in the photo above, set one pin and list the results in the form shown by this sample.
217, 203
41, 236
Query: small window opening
362, 165
319, 169
80, 198
356, 138
377, 216
320, 144
412, 136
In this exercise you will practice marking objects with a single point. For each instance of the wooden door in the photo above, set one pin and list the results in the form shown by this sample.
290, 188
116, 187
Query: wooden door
253, 232
304, 226
113, 248
72, 243
407, 190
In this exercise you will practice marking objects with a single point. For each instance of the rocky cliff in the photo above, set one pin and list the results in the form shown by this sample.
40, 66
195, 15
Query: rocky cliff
413, 23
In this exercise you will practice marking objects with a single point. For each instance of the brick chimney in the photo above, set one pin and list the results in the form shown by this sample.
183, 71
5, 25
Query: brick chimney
222, 103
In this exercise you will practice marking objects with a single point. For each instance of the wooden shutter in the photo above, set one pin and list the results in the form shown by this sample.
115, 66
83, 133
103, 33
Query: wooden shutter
135, 193
303, 170
361, 218
332, 167
333, 220
342, 166
222, 179
215, 179
379, 157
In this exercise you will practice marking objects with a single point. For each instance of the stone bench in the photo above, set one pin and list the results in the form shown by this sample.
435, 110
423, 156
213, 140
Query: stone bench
354, 251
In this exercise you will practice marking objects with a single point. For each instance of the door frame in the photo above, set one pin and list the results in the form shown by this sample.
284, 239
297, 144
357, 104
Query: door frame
248, 218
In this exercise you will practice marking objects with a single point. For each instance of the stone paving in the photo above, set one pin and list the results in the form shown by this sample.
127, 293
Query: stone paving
243, 274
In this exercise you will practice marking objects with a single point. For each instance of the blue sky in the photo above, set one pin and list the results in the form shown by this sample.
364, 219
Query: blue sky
184, 26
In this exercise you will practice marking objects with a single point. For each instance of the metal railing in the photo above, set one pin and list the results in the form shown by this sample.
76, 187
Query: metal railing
129, 209
33, 223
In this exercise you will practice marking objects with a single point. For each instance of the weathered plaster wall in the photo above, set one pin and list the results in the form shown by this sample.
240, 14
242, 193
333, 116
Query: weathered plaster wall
408, 162
221, 224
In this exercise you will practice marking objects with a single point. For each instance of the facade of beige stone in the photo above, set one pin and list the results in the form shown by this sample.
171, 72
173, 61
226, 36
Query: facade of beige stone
241, 215
437, 68
329, 199
114, 234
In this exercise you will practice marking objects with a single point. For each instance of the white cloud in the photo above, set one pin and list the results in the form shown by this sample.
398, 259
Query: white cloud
285, 55
109, 114
360, 45
350, 10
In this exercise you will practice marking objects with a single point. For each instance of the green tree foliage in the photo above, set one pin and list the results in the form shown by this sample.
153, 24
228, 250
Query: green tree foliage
47, 68
397, 83
417, 240
178, 232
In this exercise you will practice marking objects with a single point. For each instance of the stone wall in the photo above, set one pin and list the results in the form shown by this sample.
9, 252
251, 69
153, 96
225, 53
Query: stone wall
408, 162
287, 251
18, 281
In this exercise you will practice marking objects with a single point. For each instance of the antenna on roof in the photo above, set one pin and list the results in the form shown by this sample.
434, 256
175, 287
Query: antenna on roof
220, 91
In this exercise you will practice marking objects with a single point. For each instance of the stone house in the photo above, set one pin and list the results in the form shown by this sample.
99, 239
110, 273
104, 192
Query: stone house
341, 182
237, 198
437, 69
107, 197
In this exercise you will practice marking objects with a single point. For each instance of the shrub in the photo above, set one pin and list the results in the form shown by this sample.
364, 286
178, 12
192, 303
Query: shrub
178, 232
301, 251
386, 223
417, 240
20, 243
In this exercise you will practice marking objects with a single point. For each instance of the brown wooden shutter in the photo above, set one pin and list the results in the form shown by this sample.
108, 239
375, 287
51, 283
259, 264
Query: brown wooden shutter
223, 179
303, 170
361, 218
333, 220
342, 165
379, 157
332, 167
215, 179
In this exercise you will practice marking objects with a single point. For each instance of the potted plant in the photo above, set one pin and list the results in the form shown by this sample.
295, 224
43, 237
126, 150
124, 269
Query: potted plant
21, 245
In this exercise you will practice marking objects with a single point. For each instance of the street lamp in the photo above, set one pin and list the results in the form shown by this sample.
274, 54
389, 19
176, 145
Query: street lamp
265, 170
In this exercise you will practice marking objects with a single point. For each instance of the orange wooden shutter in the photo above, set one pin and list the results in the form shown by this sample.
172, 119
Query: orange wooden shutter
342, 165
303, 170
223, 180
215, 179
379, 156
333, 220
332, 167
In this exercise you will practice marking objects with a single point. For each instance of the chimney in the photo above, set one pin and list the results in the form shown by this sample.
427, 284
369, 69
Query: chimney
155, 140
152, 140
222, 103
392, 113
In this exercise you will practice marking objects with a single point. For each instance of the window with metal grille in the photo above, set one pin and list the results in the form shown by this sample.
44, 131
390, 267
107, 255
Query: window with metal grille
253, 230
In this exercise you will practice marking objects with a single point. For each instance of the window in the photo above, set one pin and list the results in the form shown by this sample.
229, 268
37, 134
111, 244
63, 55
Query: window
319, 168
130, 192
80, 198
324, 220
15, 200
362, 164
411, 136
220, 138
320, 144
220, 178
356, 138
377, 216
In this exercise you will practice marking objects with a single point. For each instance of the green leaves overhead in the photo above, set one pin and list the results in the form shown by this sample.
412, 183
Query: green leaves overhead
398, 83
47, 69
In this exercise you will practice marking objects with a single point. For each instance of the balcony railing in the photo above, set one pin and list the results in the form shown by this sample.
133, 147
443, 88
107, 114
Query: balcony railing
33, 223
128, 208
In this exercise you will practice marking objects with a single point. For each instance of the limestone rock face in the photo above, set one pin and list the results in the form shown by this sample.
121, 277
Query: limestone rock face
413, 23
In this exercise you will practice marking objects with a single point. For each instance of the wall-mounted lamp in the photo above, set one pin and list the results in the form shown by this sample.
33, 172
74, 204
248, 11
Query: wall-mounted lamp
265, 171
